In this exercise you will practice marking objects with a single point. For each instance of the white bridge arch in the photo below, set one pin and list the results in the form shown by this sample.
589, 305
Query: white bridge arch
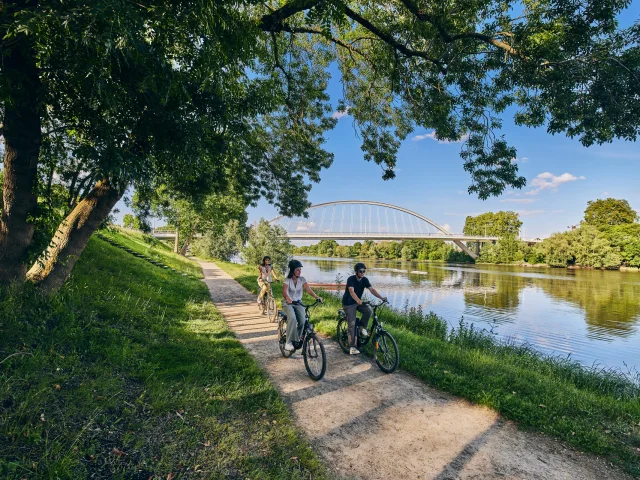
369, 220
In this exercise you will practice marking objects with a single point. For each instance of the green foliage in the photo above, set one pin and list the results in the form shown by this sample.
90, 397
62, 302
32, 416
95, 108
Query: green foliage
609, 212
585, 246
507, 249
224, 245
626, 240
492, 224
131, 358
268, 240
387, 250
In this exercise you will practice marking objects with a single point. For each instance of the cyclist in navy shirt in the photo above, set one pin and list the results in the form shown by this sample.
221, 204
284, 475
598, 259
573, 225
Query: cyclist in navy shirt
352, 302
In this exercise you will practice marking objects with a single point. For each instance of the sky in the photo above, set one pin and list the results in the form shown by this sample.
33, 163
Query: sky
562, 175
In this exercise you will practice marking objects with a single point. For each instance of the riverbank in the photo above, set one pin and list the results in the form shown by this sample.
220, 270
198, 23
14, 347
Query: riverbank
597, 412
131, 372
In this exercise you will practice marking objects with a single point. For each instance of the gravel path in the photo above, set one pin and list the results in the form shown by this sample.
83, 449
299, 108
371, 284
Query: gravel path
369, 425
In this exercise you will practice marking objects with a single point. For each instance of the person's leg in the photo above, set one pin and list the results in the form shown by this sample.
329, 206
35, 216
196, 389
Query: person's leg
299, 309
350, 311
292, 331
263, 289
366, 312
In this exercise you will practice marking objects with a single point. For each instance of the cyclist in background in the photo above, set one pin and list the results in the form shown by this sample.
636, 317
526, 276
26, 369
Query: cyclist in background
292, 290
352, 302
266, 272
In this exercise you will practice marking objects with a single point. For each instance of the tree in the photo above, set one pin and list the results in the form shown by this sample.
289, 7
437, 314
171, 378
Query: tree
191, 91
128, 221
205, 214
608, 212
268, 240
625, 239
223, 245
492, 224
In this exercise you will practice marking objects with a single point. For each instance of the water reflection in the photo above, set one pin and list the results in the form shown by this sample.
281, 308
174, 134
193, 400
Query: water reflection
591, 315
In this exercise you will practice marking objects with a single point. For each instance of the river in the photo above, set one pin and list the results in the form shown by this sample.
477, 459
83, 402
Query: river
591, 315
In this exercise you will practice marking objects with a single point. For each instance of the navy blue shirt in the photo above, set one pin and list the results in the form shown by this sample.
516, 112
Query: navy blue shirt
358, 288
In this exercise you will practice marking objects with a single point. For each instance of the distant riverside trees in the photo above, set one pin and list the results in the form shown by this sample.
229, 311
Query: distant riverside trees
436, 250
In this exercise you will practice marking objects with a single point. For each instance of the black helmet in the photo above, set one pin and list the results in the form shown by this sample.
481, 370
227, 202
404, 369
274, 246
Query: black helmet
293, 264
359, 266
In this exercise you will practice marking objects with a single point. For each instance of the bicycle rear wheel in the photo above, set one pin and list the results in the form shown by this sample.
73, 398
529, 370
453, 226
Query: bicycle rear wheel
282, 338
386, 352
315, 360
343, 334
272, 309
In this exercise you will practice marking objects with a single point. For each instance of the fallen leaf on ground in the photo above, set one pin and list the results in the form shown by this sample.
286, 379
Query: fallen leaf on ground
117, 452
542, 406
171, 476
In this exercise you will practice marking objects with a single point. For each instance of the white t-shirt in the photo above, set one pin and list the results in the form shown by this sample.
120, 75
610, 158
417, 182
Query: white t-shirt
295, 290
265, 272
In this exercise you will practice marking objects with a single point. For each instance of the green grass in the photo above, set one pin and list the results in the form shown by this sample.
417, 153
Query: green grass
594, 411
153, 248
130, 372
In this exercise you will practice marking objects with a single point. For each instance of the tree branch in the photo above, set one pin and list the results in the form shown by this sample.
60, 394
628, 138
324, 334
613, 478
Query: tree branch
448, 38
317, 31
273, 21
389, 40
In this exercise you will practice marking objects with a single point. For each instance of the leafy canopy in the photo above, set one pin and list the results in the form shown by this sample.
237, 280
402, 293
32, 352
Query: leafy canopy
608, 212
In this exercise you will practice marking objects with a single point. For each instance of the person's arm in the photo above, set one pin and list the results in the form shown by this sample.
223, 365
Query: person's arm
354, 296
285, 293
273, 272
311, 292
375, 292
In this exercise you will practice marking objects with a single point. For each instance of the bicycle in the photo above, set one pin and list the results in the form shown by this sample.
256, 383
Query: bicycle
383, 342
268, 304
315, 359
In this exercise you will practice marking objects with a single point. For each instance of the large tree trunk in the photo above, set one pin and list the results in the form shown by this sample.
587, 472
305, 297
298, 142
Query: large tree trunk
54, 267
22, 137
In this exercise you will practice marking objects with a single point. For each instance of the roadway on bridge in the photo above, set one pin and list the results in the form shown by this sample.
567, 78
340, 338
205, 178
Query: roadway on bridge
372, 426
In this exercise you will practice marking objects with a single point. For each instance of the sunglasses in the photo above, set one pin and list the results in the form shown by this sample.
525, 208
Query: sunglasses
362, 271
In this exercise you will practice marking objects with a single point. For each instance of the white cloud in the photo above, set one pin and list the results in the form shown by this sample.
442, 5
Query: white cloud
338, 115
548, 180
518, 200
528, 213
446, 227
557, 211
521, 160
432, 136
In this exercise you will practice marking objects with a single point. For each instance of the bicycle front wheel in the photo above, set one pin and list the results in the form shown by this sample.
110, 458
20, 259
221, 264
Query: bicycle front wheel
272, 309
282, 338
386, 352
315, 360
343, 334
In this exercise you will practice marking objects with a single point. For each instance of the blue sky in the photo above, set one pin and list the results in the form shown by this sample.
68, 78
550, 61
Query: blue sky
561, 174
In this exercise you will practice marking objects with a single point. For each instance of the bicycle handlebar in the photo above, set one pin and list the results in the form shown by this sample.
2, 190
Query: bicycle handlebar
375, 306
299, 302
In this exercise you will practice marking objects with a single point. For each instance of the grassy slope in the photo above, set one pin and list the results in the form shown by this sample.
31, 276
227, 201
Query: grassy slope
153, 249
598, 413
130, 372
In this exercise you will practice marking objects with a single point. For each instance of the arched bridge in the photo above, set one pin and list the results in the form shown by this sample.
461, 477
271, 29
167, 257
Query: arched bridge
368, 220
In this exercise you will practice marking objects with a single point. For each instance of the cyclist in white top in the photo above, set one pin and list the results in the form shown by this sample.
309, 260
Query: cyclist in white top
265, 270
292, 289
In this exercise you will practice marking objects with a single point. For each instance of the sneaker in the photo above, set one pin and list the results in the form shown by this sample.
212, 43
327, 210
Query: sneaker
289, 347
363, 332
264, 312
352, 351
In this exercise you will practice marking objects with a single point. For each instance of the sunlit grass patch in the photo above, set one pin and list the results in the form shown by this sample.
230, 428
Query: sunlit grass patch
131, 372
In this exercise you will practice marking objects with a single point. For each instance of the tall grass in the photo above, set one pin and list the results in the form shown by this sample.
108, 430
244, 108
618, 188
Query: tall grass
130, 372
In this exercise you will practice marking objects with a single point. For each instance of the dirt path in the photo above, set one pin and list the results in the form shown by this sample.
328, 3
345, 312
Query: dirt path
369, 425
